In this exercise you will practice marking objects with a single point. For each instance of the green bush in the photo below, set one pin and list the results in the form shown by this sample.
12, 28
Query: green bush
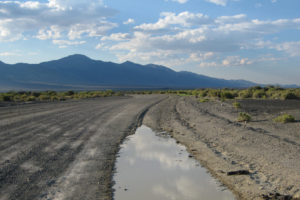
44, 97
30, 98
290, 95
285, 118
35, 94
259, 94
227, 95
244, 94
5, 98
236, 105
244, 117
69, 93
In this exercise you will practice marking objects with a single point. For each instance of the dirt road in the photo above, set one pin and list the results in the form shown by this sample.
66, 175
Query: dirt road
269, 151
65, 150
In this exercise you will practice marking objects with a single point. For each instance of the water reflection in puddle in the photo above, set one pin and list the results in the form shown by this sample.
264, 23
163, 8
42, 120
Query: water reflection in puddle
152, 166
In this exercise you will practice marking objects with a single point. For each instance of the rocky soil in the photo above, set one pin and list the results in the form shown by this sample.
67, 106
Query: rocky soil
256, 160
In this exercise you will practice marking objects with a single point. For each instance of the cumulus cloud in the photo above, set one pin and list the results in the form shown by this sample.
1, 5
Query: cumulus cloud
178, 39
185, 19
53, 19
53, 32
235, 61
66, 43
292, 48
117, 37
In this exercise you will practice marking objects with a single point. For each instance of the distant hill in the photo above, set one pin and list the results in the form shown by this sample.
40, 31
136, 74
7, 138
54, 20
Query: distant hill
81, 72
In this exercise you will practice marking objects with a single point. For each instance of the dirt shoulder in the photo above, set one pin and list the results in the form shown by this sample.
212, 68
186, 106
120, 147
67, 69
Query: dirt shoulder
268, 150
65, 150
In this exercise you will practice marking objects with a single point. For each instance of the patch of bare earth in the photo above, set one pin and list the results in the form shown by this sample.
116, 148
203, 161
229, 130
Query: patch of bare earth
256, 160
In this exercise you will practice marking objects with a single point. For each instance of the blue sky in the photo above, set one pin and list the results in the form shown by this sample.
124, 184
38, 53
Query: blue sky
256, 40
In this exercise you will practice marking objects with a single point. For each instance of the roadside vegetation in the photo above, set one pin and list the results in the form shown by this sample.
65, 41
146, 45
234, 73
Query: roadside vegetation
237, 105
244, 117
204, 95
285, 118
23, 96
257, 92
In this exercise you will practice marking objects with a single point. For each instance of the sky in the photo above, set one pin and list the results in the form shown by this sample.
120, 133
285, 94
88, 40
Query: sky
255, 40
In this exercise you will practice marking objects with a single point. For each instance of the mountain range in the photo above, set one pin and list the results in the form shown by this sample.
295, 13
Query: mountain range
82, 73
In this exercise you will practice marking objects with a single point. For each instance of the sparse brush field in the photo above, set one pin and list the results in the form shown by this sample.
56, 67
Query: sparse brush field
27, 96
270, 92
204, 95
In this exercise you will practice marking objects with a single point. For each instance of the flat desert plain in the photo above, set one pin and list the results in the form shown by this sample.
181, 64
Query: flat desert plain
67, 150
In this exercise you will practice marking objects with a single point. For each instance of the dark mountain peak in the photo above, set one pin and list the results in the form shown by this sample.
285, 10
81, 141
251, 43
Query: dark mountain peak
70, 61
80, 71
76, 57
128, 63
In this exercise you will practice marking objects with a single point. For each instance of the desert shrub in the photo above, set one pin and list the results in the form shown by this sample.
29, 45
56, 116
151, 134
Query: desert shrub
62, 98
30, 98
285, 118
244, 117
17, 98
214, 93
259, 94
203, 93
227, 95
54, 98
69, 93
44, 97
255, 88
5, 97
51, 93
245, 94
236, 105
35, 94
290, 95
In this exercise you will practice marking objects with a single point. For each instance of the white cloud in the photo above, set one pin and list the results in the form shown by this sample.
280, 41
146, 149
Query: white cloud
99, 46
292, 48
231, 19
184, 19
66, 43
32, 18
92, 29
218, 2
180, 39
117, 37
129, 21
51, 33
235, 61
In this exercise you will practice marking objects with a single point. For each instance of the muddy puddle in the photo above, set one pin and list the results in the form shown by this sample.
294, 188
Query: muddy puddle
151, 166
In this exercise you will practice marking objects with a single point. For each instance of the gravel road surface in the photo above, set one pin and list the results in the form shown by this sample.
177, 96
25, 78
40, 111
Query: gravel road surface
65, 150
